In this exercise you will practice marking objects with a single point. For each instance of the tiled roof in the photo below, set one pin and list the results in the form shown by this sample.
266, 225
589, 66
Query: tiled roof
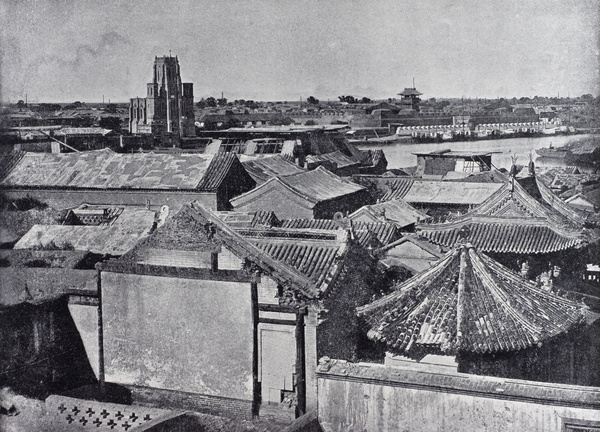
36, 285
449, 193
410, 92
132, 225
363, 231
248, 219
504, 235
107, 169
411, 253
395, 210
510, 221
50, 258
195, 228
8, 162
557, 204
216, 171
468, 302
317, 254
584, 146
84, 131
398, 188
262, 169
15, 224
314, 186
512, 200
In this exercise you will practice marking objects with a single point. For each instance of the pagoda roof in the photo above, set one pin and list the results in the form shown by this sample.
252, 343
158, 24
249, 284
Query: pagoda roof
512, 221
468, 302
410, 92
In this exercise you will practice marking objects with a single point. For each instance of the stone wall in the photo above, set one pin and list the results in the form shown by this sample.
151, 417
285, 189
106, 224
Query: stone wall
368, 397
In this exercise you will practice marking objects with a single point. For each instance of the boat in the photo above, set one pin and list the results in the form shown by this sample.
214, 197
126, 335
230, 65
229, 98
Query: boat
552, 152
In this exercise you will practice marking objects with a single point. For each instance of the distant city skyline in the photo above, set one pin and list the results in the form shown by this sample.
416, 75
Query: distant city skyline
67, 50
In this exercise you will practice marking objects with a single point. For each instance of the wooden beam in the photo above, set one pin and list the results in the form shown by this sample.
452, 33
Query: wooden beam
101, 376
177, 272
256, 389
300, 365
265, 307
277, 321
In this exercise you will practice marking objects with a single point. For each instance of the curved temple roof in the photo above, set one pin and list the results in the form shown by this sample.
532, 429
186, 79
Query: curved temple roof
468, 302
512, 221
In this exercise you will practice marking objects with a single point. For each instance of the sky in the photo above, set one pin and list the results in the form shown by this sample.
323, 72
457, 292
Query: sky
69, 50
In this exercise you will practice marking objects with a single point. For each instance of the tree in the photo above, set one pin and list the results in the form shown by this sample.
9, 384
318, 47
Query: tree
366, 100
348, 99
111, 108
312, 100
222, 101
250, 104
112, 123
21, 104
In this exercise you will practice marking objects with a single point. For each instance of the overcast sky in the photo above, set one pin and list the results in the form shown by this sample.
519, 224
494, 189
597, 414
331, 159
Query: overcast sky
67, 50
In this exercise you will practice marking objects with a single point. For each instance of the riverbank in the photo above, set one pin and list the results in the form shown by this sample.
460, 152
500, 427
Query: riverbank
401, 154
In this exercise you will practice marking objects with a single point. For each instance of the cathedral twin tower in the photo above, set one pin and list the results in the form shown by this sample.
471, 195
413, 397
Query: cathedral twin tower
169, 104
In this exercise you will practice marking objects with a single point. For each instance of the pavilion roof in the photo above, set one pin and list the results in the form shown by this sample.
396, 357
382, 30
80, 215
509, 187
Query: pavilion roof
512, 221
468, 302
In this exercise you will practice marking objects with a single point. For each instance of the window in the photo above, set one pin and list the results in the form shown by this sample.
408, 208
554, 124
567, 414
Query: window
268, 146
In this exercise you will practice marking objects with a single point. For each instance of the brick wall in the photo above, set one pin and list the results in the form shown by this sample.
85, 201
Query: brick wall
229, 261
311, 359
358, 396
162, 398
267, 291
66, 199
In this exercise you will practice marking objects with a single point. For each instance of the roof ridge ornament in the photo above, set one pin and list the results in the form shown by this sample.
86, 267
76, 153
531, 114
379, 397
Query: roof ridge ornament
463, 236
531, 165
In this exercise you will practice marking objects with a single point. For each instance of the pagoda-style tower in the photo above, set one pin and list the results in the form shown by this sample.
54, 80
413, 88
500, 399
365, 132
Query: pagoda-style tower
410, 98
169, 104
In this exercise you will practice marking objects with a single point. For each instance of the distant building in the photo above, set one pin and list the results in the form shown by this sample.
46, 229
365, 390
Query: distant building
440, 162
410, 99
169, 105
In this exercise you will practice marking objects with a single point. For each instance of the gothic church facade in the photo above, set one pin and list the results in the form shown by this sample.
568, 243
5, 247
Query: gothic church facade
169, 104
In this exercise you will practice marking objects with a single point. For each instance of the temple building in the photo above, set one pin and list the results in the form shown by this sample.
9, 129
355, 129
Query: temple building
523, 223
489, 318
169, 104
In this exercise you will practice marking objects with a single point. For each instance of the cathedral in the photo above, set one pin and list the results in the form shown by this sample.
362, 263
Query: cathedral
169, 104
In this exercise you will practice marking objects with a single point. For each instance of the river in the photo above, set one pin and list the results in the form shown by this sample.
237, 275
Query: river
401, 155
